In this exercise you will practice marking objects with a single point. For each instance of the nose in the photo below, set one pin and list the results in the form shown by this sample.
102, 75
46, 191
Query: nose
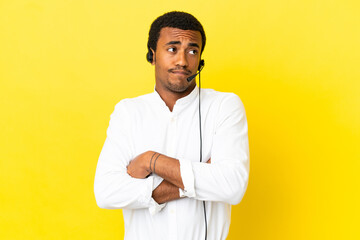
181, 59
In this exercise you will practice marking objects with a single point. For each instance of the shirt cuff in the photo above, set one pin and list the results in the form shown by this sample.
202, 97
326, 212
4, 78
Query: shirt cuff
154, 206
157, 181
187, 177
181, 193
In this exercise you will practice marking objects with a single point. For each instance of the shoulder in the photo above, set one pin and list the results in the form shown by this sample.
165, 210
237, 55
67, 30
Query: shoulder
224, 100
227, 109
127, 104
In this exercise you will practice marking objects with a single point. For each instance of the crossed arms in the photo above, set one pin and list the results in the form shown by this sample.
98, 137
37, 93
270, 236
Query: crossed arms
166, 167
121, 180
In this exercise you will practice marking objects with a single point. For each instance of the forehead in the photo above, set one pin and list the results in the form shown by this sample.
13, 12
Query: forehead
168, 34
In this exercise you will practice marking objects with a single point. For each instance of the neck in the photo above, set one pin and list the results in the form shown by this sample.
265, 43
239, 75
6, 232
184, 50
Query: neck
170, 97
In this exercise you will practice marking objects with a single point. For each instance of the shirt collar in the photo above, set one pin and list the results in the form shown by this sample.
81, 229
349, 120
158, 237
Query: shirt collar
182, 101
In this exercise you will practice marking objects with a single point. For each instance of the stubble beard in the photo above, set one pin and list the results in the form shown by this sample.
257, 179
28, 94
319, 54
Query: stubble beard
177, 87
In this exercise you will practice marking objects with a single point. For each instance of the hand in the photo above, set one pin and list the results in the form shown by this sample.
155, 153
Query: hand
139, 166
209, 161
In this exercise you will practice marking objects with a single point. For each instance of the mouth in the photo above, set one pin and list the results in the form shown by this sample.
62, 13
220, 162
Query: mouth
180, 72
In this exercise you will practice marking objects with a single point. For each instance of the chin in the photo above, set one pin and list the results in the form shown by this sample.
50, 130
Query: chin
179, 88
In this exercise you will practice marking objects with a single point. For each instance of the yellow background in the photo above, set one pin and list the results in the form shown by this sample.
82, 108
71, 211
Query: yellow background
295, 64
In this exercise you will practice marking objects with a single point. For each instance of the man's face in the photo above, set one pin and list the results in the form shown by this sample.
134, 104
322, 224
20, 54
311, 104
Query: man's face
176, 58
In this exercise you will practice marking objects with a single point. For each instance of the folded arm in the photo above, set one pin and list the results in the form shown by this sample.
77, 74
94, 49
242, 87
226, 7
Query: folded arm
113, 187
166, 167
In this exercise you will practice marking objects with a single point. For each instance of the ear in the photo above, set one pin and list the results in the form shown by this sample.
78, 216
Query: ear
154, 57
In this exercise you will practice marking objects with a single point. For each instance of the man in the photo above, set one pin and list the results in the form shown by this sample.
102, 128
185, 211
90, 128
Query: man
173, 177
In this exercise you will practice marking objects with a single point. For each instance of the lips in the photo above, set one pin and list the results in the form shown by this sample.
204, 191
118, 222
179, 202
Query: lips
181, 72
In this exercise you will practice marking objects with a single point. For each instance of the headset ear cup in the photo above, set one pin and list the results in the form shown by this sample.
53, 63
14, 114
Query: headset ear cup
149, 56
201, 64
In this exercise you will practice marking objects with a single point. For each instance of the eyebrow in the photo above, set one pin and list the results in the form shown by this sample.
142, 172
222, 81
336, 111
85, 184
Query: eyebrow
178, 42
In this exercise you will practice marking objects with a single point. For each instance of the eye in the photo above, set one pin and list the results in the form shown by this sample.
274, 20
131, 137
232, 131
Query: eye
172, 49
193, 52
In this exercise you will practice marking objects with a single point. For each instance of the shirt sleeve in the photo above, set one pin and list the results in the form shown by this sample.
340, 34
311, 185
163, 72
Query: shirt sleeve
113, 187
226, 178
187, 176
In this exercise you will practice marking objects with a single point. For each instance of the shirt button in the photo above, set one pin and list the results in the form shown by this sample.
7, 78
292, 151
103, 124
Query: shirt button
172, 119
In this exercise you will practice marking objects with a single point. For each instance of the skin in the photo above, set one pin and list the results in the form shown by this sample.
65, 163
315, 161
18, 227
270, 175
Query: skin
176, 58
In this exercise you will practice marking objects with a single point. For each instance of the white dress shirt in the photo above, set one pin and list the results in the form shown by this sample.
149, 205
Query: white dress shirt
146, 123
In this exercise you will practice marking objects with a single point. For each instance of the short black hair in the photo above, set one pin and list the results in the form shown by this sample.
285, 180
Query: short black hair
174, 19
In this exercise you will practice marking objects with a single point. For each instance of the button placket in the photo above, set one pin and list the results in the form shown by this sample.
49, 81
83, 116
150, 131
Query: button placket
172, 151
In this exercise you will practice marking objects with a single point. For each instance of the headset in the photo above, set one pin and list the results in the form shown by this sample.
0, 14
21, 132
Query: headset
149, 56
150, 59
